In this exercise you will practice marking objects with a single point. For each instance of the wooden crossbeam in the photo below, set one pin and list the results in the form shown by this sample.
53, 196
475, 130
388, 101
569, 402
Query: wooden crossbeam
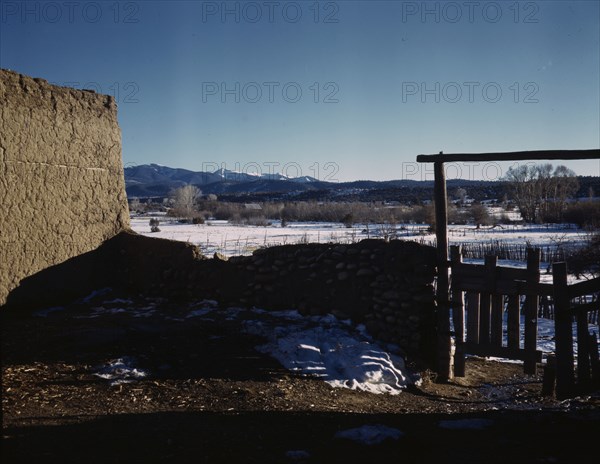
512, 156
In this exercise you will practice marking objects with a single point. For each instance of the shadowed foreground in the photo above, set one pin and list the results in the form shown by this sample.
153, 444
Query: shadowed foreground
211, 397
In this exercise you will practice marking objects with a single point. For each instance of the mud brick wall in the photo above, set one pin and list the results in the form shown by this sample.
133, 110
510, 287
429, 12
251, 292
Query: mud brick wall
62, 189
388, 286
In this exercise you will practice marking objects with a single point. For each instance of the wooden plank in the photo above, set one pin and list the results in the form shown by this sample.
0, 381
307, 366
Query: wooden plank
549, 380
565, 375
479, 285
537, 288
477, 270
511, 273
531, 308
485, 300
500, 352
514, 321
461, 269
584, 288
458, 316
472, 300
583, 353
469, 285
496, 322
512, 156
444, 339
509, 287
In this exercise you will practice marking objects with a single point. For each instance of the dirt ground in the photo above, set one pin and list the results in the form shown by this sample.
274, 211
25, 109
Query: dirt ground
212, 397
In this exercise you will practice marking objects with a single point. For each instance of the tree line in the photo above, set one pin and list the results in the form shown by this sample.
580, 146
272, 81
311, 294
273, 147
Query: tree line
541, 193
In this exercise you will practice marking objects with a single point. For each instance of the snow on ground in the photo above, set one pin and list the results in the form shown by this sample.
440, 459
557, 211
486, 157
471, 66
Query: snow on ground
232, 239
120, 370
466, 424
370, 434
297, 455
330, 349
546, 341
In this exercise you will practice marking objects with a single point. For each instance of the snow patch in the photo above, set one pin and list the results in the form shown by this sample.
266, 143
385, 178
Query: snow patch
121, 370
466, 424
297, 455
370, 434
324, 347
44, 312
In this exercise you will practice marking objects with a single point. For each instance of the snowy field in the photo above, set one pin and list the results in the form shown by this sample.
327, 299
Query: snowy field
231, 239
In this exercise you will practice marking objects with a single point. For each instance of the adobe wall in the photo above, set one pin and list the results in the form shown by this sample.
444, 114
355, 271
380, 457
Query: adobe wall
62, 189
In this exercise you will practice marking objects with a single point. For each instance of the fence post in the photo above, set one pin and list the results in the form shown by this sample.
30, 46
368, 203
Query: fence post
583, 351
531, 309
513, 321
444, 340
485, 300
565, 375
458, 317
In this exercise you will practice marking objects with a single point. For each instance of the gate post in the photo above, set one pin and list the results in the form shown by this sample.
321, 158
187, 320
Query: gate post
444, 340
458, 317
531, 310
565, 373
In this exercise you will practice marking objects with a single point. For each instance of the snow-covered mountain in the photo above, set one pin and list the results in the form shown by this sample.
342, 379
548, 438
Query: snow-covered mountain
157, 180
238, 176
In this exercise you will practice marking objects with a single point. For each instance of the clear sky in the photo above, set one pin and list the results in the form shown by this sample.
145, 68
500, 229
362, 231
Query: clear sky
339, 90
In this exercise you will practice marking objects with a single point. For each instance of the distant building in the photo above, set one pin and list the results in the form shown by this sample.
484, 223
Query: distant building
253, 206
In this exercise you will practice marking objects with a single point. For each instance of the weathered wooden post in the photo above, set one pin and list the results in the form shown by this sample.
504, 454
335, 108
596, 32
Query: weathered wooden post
445, 361
458, 317
485, 300
531, 310
565, 375
583, 350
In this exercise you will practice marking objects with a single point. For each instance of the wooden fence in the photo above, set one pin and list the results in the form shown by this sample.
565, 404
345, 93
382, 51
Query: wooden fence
562, 368
547, 308
483, 293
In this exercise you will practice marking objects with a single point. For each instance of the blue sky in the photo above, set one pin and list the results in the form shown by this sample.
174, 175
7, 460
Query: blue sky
338, 90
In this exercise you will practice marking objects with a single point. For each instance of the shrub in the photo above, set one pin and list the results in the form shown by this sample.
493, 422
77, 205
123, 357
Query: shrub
586, 260
348, 220
480, 215
504, 219
154, 229
584, 214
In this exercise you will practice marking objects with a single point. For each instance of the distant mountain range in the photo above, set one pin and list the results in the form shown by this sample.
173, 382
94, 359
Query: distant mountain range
154, 180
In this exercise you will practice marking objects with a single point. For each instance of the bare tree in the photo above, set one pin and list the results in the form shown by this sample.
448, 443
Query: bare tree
521, 183
185, 200
461, 195
564, 185
540, 191
480, 215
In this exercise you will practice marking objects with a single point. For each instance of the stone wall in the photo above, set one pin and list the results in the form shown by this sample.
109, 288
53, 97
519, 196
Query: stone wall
388, 286
61, 176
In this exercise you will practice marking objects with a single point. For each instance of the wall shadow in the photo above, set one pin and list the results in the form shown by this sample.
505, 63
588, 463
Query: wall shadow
265, 437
